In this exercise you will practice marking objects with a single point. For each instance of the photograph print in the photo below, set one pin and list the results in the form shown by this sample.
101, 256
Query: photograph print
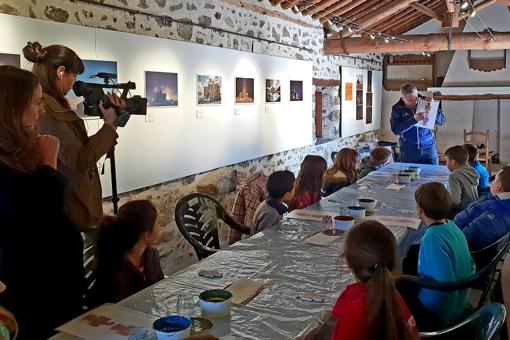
208, 90
296, 90
161, 88
244, 90
89, 75
10, 59
273, 91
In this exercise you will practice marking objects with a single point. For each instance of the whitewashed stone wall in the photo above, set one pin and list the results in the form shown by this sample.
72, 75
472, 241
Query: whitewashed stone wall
234, 24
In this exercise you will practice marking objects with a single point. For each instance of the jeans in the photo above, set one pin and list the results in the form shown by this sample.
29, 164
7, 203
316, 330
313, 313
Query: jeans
411, 154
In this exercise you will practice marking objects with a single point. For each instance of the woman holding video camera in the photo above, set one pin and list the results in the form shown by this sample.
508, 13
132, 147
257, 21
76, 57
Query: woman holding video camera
40, 250
57, 66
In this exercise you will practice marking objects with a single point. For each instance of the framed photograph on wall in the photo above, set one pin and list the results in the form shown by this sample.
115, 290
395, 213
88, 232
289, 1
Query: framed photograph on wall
161, 88
359, 97
245, 90
89, 75
296, 90
10, 59
208, 90
273, 91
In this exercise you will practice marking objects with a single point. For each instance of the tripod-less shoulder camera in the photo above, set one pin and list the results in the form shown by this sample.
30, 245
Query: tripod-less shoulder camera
93, 94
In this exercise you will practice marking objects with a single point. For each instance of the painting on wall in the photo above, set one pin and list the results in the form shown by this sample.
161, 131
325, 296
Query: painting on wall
10, 59
296, 90
244, 90
161, 88
89, 75
208, 90
359, 97
273, 91
348, 91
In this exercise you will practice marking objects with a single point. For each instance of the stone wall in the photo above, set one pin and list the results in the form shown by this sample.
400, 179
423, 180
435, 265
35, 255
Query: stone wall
244, 25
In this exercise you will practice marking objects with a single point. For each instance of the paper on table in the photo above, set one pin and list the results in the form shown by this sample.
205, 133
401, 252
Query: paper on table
409, 222
243, 290
107, 321
430, 118
321, 239
394, 186
309, 215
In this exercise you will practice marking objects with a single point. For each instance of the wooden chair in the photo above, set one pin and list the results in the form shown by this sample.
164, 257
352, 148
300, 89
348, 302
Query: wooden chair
481, 140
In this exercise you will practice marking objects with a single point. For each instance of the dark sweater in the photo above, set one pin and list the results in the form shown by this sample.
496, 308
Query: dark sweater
40, 252
115, 284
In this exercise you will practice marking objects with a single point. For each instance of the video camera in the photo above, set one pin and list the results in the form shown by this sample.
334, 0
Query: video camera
93, 94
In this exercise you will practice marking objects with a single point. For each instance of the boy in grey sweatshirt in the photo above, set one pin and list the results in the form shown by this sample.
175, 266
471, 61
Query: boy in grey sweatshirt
280, 186
463, 180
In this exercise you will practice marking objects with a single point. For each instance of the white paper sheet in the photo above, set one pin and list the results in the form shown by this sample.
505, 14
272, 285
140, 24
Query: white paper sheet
321, 239
108, 321
309, 215
430, 118
408, 222
394, 186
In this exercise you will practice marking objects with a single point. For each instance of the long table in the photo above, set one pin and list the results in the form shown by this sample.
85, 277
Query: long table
290, 268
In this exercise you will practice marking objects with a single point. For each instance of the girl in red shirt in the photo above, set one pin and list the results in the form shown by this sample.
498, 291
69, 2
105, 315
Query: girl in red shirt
309, 182
372, 308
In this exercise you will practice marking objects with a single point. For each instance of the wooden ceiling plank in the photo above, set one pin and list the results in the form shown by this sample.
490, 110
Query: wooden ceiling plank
290, 3
419, 43
330, 9
310, 3
426, 10
319, 7
346, 8
449, 6
366, 9
386, 11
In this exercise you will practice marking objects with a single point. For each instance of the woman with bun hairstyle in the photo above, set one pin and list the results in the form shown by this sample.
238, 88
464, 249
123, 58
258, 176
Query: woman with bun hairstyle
372, 308
127, 262
41, 259
57, 66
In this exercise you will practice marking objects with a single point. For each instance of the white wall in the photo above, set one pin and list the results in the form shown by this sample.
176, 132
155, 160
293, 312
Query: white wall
176, 142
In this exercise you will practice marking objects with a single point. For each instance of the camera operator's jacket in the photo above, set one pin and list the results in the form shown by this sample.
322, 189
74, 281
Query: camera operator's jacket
77, 160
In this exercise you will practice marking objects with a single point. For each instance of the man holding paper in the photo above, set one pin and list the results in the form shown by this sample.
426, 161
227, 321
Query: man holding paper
413, 118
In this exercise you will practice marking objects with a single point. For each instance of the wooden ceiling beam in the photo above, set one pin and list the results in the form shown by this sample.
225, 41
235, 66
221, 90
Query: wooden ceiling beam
368, 8
504, 2
386, 11
394, 20
449, 6
344, 9
309, 4
419, 43
409, 25
479, 7
290, 3
327, 12
426, 10
276, 2
320, 6
410, 18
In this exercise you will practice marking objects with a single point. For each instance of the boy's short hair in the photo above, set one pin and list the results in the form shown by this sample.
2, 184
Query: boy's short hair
279, 183
472, 152
503, 177
458, 154
380, 155
434, 199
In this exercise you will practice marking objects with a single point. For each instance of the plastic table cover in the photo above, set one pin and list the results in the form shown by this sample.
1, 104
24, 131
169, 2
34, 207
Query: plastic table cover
293, 272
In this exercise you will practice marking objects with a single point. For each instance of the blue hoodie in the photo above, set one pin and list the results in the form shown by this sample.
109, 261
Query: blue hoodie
483, 183
485, 222
402, 123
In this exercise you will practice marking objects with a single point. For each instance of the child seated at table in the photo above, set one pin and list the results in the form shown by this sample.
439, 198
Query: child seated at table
463, 180
378, 157
309, 182
483, 182
280, 186
344, 171
372, 308
443, 256
126, 260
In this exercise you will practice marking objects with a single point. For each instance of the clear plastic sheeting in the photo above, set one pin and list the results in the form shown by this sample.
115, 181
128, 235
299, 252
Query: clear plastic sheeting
301, 281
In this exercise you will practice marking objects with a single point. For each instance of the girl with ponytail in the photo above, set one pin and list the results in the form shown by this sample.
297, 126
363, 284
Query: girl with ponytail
126, 260
372, 308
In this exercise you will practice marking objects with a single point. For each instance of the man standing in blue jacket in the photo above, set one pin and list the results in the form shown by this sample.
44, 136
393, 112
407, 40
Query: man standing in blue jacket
485, 222
417, 145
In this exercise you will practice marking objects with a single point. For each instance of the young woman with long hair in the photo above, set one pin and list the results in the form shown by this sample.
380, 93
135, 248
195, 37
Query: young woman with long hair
372, 308
309, 182
40, 250
56, 67
127, 262
344, 171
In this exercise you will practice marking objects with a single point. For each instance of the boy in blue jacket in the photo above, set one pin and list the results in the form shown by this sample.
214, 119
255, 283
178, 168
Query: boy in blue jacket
417, 145
483, 182
487, 221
